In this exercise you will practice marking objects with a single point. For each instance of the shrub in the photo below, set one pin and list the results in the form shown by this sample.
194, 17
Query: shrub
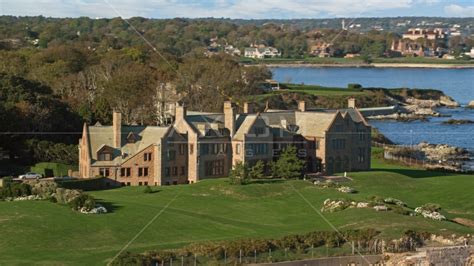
147, 190
83, 201
13, 190
239, 174
65, 196
257, 171
44, 189
288, 165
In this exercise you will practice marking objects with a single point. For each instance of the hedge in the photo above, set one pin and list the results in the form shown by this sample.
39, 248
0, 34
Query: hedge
88, 184
52, 169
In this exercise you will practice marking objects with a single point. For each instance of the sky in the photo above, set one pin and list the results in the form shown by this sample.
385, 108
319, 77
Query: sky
246, 9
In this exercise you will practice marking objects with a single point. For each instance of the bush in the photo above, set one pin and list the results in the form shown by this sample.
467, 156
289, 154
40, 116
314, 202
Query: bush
147, 190
65, 196
288, 165
14, 190
257, 171
44, 189
83, 201
239, 174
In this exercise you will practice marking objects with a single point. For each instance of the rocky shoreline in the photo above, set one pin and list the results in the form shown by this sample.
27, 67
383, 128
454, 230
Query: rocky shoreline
297, 64
433, 156
418, 109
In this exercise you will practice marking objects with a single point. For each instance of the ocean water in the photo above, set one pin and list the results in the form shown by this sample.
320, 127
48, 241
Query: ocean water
457, 83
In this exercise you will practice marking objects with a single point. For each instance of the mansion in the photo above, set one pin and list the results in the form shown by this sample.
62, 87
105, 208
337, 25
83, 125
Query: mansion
200, 145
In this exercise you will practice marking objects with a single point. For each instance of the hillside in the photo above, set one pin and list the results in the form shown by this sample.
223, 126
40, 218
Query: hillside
214, 210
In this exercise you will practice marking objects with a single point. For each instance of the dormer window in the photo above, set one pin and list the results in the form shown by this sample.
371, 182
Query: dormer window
105, 153
105, 156
131, 138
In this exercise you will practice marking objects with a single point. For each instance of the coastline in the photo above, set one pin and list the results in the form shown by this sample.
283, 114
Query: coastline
373, 65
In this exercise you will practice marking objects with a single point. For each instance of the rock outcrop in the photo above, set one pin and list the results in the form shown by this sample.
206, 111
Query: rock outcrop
471, 105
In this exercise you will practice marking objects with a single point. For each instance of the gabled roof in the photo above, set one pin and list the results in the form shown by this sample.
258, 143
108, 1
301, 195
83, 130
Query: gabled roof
314, 123
246, 123
100, 136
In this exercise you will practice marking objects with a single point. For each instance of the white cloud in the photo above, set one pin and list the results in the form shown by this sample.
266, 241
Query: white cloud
459, 11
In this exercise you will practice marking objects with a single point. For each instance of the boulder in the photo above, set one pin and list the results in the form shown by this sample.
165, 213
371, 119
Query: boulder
448, 102
471, 105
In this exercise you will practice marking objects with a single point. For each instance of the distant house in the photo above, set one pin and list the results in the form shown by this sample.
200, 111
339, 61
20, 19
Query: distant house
351, 55
259, 53
408, 48
229, 49
321, 50
471, 53
429, 34
271, 85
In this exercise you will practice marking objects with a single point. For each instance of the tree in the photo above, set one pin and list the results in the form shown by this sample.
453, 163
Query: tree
239, 174
288, 165
257, 171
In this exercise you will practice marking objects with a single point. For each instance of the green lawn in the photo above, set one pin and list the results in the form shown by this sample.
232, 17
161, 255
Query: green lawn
48, 233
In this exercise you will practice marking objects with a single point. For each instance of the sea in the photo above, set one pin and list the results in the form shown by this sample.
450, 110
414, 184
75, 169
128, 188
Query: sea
457, 83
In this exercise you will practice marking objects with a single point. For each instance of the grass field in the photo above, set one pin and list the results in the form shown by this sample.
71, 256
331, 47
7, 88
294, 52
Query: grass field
48, 233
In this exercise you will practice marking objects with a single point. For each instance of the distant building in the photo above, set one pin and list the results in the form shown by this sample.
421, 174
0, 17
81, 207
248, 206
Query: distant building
349, 55
259, 53
429, 34
471, 53
321, 49
271, 85
408, 48
229, 49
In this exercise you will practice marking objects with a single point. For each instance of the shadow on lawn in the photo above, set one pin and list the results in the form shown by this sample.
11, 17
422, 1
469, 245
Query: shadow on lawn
111, 207
414, 173
266, 181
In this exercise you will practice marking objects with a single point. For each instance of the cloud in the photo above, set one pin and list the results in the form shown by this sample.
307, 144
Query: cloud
208, 8
459, 11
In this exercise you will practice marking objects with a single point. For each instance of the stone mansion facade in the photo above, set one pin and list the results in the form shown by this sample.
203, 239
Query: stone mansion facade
200, 146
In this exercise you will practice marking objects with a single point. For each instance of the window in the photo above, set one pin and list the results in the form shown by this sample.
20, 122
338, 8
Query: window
237, 149
143, 171
128, 183
338, 144
125, 172
175, 182
167, 171
339, 128
139, 183
362, 135
146, 183
147, 157
259, 130
191, 148
171, 155
204, 149
105, 156
257, 149
182, 148
214, 168
361, 156
104, 172
175, 171
183, 171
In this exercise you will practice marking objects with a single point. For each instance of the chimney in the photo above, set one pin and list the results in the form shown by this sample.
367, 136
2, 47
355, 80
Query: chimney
179, 112
351, 103
302, 106
249, 108
117, 127
229, 117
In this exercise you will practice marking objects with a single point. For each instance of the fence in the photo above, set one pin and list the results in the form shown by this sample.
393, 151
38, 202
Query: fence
246, 257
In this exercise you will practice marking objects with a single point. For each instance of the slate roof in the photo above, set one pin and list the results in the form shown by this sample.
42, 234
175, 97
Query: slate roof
100, 136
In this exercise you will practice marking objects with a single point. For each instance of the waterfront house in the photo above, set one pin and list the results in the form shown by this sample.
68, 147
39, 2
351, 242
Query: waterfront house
261, 52
200, 145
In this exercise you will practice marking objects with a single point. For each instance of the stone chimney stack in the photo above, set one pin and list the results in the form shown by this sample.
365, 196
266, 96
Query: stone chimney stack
117, 127
302, 106
179, 112
351, 103
229, 117
249, 108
